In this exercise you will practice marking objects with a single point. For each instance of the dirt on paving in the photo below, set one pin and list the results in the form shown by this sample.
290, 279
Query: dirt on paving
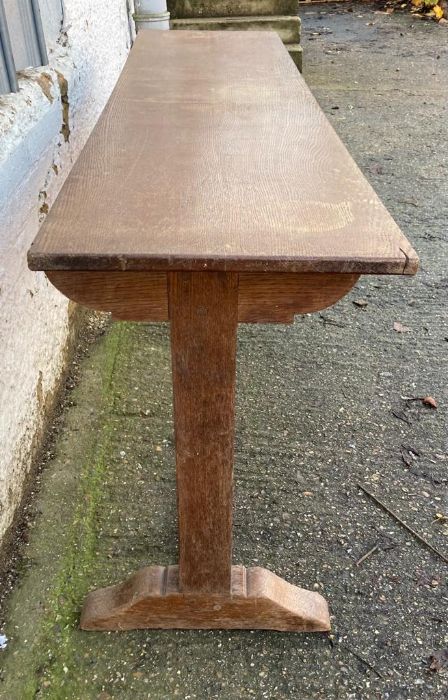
323, 405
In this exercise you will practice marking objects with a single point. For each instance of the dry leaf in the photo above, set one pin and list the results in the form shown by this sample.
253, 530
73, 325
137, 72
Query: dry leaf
438, 12
362, 303
429, 401
425, 579
440, 518
439, 660
400, 328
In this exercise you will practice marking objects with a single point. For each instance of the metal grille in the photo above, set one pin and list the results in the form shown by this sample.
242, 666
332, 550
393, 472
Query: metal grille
22, 42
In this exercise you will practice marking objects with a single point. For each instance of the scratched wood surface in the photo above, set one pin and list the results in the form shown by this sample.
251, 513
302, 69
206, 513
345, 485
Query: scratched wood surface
206, 159
203, 316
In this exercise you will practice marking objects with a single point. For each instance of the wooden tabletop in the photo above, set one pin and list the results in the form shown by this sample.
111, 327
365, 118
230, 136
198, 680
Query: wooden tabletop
212, 154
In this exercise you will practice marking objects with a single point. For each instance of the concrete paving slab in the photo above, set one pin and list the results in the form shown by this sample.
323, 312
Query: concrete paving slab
320, 408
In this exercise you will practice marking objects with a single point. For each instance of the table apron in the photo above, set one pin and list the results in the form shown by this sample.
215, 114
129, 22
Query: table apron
263, 297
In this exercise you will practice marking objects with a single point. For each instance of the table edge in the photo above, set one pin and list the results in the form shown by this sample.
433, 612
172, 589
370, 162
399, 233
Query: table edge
405, 264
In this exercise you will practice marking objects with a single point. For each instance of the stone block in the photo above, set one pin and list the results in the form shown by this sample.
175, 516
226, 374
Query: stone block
296, 53
185, 9
288, 28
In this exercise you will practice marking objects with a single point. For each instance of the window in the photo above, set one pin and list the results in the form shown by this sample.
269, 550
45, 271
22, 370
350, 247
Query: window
22, 42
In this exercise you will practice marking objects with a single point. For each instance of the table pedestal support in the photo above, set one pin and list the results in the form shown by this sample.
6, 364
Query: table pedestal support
205, 591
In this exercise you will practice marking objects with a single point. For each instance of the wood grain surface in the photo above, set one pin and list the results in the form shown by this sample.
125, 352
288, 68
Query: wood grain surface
129, 296
206, 159
263, 297
275, 297
258, 599
203, 319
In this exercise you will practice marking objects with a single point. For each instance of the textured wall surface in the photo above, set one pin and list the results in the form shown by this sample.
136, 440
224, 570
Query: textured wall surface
42, 130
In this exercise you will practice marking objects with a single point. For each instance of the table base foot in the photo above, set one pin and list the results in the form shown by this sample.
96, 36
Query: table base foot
258, 600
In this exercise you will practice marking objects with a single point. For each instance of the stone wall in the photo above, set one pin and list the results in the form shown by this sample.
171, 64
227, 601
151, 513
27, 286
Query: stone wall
234, 8
268, 15
42, 130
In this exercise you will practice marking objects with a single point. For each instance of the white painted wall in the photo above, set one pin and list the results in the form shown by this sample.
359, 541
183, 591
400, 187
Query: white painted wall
86, 54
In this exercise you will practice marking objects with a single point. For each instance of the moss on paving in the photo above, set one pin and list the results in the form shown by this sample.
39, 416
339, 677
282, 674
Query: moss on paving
62, 549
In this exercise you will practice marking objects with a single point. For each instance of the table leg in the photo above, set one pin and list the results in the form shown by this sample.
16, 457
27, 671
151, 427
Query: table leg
203, 310
205, 590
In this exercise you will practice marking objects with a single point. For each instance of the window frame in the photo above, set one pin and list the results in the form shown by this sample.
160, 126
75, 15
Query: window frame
32, 42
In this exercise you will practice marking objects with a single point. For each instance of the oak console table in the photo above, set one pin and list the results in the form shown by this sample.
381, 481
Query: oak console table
212, 192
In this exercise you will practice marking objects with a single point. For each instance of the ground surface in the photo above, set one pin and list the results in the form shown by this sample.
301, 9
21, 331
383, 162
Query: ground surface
320, 408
